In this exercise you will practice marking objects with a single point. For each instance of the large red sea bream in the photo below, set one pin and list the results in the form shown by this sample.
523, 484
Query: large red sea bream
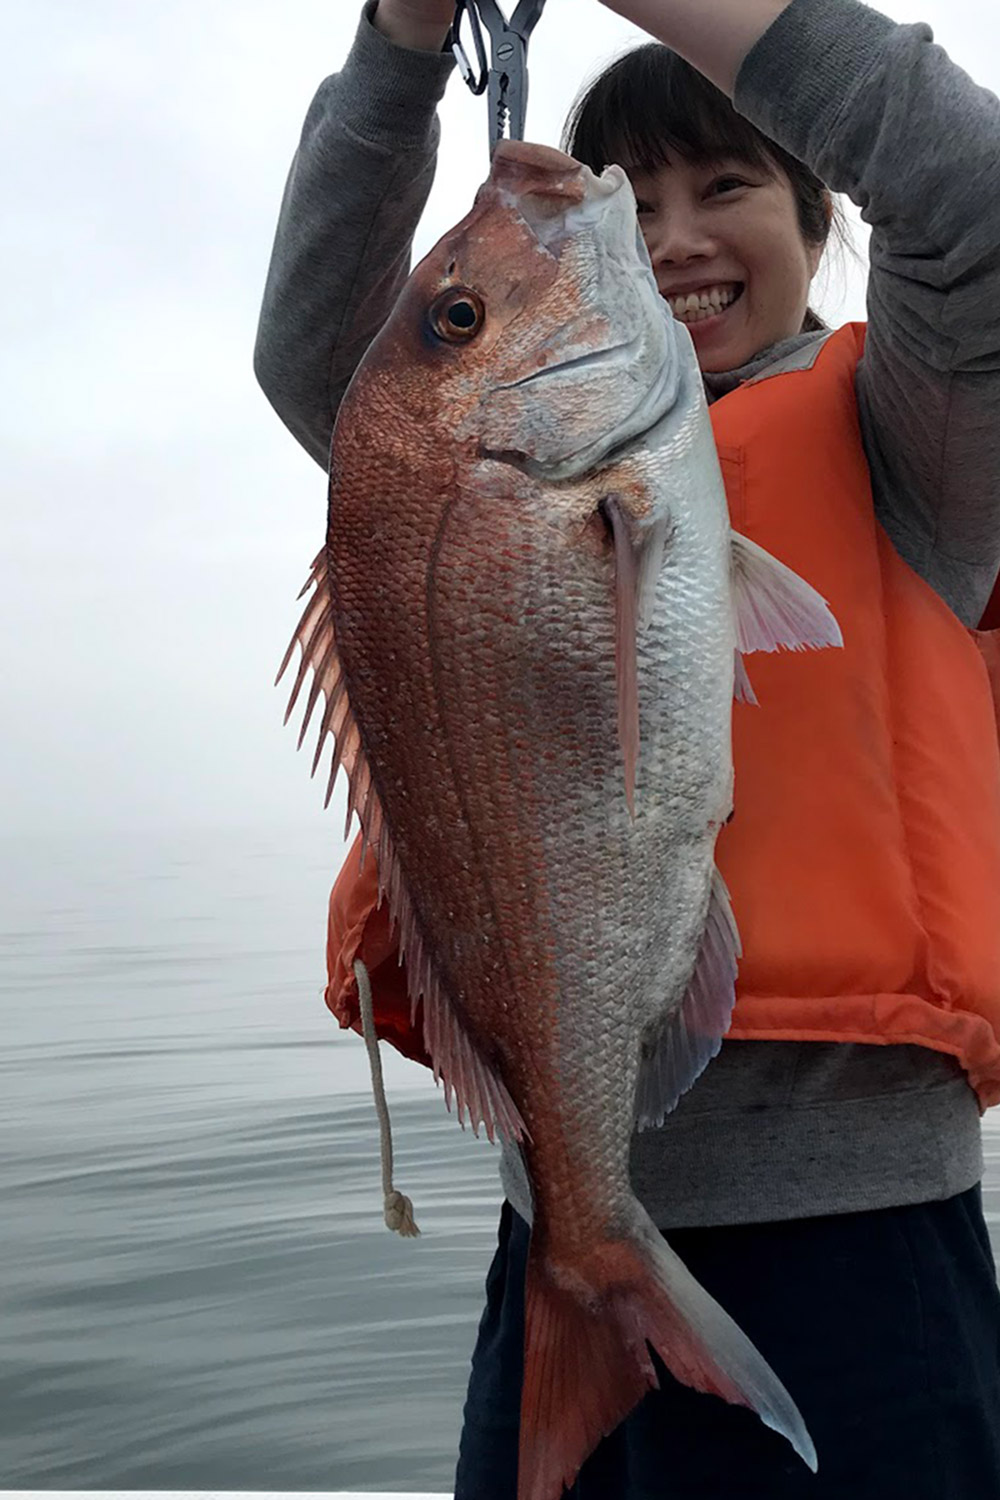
527, 624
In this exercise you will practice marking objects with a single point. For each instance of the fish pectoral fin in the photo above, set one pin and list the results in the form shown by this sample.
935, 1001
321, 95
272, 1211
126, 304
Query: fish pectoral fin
775, 607
692, 1036
742, 687
640, 546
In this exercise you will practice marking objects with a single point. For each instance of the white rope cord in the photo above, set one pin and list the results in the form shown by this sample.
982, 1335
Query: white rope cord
398, 1208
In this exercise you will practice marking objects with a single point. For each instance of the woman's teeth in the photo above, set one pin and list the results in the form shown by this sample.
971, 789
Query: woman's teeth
694, 307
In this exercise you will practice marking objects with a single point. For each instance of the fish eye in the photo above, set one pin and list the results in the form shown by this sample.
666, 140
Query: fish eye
457, 315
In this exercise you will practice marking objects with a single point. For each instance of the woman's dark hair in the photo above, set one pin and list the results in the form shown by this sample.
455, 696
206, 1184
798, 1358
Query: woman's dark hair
650, 102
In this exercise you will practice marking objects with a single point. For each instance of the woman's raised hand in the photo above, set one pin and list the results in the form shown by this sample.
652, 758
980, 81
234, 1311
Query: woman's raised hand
420, 24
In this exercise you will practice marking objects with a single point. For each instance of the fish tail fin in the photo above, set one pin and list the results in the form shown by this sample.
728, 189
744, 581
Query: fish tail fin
587, 1363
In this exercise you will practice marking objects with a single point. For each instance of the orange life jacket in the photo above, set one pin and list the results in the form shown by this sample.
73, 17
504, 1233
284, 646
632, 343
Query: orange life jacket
864, 856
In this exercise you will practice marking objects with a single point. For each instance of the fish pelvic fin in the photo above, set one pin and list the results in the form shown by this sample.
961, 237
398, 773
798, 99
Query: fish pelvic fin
776, 608
640, 545
681, 1050
588, 1330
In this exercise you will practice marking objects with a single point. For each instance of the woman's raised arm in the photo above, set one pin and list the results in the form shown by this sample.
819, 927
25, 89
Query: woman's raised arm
714, 36
357, 187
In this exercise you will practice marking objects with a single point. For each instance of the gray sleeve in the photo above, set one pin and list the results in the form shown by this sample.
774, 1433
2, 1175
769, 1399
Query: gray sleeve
357, 187
881, 113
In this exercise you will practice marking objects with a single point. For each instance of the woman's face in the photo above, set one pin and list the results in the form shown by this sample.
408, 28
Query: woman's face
721, 230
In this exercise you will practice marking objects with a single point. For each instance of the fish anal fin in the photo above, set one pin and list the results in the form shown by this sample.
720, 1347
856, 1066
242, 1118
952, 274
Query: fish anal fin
776, 608
682, 1049
586, 1359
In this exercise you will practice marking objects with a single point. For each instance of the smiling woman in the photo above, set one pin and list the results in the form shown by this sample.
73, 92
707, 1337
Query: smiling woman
837, 1131
735, 225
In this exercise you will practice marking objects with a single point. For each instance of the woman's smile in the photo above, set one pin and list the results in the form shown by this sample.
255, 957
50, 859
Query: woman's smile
728, 255
706, 302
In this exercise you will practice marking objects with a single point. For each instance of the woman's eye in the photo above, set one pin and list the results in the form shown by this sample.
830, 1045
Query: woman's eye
727, 184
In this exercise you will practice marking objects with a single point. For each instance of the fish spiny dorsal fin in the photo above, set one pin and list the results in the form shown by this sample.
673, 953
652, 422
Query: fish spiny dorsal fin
310, 633
775, 607
478, 1089
314, 634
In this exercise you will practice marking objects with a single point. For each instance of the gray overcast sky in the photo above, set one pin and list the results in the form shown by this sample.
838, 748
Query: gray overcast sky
157, 518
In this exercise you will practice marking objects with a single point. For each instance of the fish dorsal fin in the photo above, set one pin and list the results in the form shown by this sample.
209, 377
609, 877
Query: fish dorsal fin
775, 607
685, 1046
639, 550
314, 635
457, 1062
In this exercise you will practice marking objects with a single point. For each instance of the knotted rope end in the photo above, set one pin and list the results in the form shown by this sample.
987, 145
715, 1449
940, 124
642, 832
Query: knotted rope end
399, 1214
398, 1209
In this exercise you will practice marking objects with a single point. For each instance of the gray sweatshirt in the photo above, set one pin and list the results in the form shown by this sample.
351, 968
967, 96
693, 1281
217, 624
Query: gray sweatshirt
771, 1130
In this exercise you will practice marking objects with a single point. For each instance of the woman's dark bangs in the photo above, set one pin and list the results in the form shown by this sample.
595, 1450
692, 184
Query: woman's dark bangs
650, 105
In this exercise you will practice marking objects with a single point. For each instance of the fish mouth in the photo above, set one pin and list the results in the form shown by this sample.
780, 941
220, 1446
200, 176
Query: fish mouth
556, 196
594, 360
663, 407
563, 417
659, 399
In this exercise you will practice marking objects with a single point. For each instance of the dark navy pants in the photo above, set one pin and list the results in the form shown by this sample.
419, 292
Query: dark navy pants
884, 1326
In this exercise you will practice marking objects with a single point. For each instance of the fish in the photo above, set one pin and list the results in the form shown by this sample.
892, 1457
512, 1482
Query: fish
526, 629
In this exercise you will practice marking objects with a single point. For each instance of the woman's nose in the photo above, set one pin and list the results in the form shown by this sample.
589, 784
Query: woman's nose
676, 237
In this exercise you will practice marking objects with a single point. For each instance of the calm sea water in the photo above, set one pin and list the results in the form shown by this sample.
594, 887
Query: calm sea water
197, 1290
